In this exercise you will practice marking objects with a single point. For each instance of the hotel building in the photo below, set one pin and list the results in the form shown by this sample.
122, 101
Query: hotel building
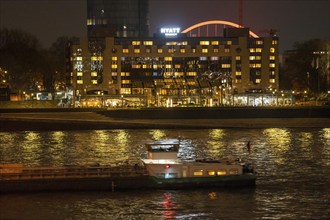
172, 68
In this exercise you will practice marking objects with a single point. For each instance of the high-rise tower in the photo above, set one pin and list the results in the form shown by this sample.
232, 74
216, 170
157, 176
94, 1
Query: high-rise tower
117, 18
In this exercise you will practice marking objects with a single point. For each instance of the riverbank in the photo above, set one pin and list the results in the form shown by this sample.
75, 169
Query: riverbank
183, 118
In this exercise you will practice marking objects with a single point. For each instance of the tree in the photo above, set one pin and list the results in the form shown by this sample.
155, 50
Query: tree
307, 67
57, 57
20, 57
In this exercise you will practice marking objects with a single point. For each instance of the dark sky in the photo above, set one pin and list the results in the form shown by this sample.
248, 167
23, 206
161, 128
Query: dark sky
297, 20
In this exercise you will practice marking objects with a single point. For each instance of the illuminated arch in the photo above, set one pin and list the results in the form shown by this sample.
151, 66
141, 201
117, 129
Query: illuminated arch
232, 24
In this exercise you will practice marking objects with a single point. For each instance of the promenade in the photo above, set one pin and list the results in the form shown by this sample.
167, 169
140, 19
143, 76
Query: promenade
79, 120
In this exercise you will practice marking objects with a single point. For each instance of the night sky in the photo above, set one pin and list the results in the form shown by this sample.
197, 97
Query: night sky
297, 20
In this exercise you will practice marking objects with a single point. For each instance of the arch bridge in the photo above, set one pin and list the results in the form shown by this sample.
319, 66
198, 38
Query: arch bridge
212, 28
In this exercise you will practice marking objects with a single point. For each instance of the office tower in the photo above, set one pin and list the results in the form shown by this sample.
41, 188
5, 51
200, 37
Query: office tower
117, 18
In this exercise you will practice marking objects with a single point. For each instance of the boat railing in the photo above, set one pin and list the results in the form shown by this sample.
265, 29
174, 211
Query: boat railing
74, 172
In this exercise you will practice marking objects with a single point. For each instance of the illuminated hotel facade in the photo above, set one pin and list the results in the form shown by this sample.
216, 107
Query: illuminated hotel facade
173, 68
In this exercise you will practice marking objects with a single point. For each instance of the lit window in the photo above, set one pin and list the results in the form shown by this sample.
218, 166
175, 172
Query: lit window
215, 42
93, 73
94, 82
211, 173
114, 74
147, 42
204, 42
258, 81
193, 50
155, 66
198, 173
191, 73
136, 50
214, 58
258, 57
99, 58
114, 66
271, 80
126, 81
79, 58
171, 50
252, 58
93, 58
125, 50
203, 58
274, 42
168, 58
160, 50
146, 66
259, 42
79, 74
238, 73
272, 50
225, 65
204, 50
252, 50
216, 50
229, 42
177, 66
227, 50
148, 50
271, 57
114, 58
125, 91
168, 66
238, 58
80, 81
255, 65
258, 50
136, 66
136, 43
272, 65
182, 50
221, 172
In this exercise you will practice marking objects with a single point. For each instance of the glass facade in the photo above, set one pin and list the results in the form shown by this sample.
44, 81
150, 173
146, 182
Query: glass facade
117, 18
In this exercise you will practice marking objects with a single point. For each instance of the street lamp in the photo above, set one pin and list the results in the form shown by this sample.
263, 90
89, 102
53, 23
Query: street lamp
122, 101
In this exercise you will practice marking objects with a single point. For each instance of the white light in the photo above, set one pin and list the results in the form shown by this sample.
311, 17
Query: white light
170, 31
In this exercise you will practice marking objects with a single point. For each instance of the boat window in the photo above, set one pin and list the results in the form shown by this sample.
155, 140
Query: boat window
160, 175
211, 173
198, 173
221, 172
171, 175
233, 171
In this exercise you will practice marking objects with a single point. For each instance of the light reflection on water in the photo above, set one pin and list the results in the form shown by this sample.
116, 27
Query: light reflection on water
293, 168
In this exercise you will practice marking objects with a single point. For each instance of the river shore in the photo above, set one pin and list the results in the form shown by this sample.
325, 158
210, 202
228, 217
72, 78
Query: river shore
183, 118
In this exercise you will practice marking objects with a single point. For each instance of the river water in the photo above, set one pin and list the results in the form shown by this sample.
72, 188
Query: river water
293, 174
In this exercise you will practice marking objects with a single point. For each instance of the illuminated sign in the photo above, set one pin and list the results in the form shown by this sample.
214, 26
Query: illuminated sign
170, 32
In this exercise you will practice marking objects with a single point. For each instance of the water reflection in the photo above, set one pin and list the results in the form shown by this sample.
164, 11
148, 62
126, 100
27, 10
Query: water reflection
278, 140
215, 144
168, 206
292, 174
157, 134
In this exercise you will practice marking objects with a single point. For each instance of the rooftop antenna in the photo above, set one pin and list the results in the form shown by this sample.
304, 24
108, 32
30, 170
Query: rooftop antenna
240, 13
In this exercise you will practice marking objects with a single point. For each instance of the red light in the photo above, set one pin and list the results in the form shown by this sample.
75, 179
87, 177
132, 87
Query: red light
167, 166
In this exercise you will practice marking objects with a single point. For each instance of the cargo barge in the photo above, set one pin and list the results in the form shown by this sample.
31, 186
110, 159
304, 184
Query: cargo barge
161, 170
